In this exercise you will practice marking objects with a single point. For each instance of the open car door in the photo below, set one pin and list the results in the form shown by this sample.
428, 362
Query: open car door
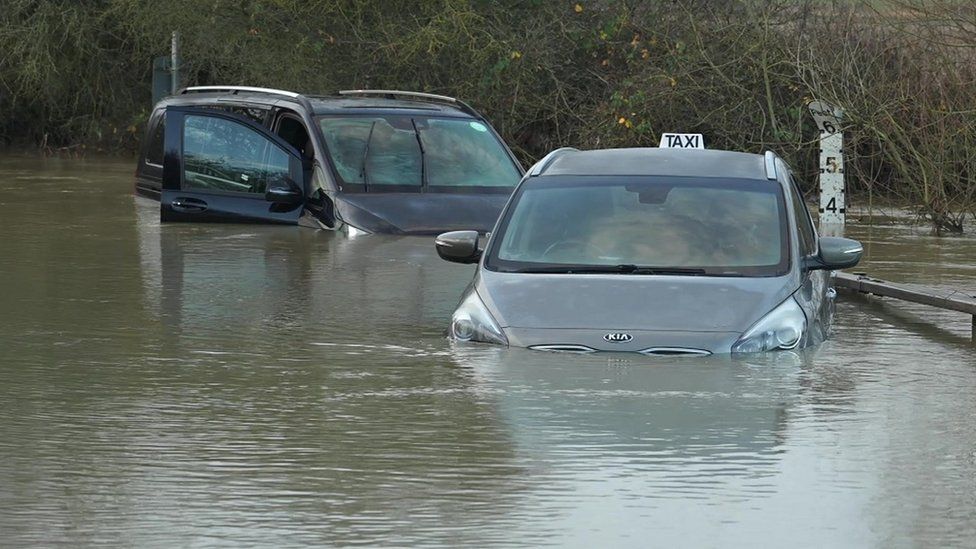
219, 166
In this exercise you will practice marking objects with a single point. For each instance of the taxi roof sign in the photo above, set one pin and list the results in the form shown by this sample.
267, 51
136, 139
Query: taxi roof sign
682, 141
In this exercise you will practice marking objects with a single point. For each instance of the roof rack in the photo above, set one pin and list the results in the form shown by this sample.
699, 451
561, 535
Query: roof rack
770, 159
234, 90
393, 94
541, 165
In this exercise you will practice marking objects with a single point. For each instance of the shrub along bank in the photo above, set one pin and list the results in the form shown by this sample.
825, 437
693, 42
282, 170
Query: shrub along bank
76, 73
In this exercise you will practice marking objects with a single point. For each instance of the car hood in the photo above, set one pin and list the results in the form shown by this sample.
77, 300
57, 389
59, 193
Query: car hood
420, 213
648, 303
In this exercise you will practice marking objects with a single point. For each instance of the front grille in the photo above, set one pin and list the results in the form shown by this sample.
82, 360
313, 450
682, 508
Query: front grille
653, 351
674, 351
563, 348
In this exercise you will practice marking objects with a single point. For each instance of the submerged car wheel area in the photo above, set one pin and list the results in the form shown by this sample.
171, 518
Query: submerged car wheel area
379, 161
655, 251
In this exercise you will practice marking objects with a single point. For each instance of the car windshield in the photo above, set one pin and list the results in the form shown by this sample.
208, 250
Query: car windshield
404, 153
649, 225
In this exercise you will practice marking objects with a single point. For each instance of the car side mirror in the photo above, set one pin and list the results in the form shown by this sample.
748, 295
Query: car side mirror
835, 253
285, 192
458, 246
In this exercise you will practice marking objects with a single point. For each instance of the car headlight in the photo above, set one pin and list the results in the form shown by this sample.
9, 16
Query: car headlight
782, 328
472, 322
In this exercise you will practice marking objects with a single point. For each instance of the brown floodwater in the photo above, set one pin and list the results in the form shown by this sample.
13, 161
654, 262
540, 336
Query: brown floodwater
197, 385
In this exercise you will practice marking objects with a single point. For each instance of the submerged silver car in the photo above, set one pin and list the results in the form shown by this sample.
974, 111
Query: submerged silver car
656, 251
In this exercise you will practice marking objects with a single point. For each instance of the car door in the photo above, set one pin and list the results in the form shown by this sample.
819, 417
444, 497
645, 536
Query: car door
219, 166
815, 295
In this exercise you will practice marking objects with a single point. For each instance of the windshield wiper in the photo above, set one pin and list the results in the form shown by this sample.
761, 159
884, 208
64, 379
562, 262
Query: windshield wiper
363, 172
611, 269
577, 269
667, 271
423, 155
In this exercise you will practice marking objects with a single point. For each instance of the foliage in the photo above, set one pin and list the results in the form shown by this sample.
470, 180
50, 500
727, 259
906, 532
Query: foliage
589, 73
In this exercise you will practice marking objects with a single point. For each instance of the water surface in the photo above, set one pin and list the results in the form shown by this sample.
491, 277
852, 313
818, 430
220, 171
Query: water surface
197, 385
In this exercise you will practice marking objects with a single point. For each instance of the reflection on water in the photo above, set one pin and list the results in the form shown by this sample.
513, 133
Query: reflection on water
233, 384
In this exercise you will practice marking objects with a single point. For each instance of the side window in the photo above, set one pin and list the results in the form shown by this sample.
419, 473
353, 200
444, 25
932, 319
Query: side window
293, 131
223, 155
254, 114
154, 155
808, 237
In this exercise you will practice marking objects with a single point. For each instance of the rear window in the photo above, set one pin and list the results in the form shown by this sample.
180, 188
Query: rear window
154, 155
378, 153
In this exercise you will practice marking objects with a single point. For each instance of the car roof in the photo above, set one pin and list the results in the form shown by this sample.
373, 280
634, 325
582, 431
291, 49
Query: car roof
658, 161
324, 104
344, 105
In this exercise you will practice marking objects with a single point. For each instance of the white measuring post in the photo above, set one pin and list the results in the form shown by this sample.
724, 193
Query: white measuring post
833, 204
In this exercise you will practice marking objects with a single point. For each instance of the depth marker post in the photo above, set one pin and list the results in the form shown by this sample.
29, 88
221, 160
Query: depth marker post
833, 206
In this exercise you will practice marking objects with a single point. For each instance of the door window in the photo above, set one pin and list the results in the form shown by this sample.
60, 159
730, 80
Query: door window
293, 131
808, 237
223, 155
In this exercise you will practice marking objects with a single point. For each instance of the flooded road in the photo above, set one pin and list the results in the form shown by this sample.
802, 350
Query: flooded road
278, 386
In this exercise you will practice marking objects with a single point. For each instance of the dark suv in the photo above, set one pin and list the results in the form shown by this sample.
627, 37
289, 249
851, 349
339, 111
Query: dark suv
370, 160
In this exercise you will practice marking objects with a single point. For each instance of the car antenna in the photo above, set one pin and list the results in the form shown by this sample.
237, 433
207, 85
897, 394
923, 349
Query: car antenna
363, 172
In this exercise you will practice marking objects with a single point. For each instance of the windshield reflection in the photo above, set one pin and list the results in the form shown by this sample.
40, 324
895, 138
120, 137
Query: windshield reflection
720, 226
407, 153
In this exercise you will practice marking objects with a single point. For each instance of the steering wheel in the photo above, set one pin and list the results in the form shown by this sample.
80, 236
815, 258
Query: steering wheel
564, 244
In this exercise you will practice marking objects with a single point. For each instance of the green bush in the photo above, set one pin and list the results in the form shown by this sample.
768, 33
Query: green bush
547, 73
